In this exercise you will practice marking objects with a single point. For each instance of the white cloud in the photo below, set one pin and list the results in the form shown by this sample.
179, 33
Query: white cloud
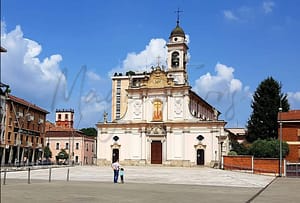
155, 51
229, 15
294, 100
268, 6
223, 91
93, 104
24, 71
148, 57
93, 76
223, 81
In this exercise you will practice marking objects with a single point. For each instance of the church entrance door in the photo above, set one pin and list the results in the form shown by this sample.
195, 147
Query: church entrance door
200, 156
156, 152
115, 155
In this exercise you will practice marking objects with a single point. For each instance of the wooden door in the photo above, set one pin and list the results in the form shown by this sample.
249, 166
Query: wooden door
156, 152
115, 155
200, 157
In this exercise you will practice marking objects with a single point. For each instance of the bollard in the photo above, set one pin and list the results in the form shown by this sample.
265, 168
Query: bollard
49, 174
68, 175
4, 178
28, 175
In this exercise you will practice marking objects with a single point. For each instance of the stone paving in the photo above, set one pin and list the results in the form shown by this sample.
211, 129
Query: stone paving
152, 174
146, 184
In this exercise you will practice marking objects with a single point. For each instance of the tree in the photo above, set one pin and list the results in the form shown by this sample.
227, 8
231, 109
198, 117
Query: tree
268, 148
89, 131
62, 155
266, 102
240, 149
47, 153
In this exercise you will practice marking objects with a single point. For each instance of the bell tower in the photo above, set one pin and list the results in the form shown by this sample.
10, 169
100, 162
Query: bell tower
177, 55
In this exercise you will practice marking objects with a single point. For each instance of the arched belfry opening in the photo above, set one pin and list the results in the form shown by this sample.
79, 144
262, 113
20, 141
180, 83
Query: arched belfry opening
175, 59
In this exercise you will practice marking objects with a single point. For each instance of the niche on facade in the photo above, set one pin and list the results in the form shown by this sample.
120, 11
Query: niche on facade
157, 111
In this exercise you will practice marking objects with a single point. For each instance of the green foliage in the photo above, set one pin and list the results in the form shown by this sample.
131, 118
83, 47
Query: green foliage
240, 149
62, 155
232, 153
47, 152
128, 73
268, 148
266, 102
89, 131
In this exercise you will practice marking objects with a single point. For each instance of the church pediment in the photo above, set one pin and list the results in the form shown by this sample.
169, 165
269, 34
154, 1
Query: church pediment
158, 79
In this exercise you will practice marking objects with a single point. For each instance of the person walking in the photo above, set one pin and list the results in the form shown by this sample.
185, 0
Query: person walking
122, 175
115, 166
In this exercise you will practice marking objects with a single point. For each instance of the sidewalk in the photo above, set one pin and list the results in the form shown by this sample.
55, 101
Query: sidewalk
281, 190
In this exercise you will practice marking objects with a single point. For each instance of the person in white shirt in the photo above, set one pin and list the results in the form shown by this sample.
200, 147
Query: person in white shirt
116, 166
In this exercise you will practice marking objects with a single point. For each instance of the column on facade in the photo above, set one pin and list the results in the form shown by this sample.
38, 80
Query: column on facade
10, 158
33, 155
168, 142
148, 150
169, 101
164, 150
3, 156
144, 113
186, 105
22, 157
185, 148
143, 144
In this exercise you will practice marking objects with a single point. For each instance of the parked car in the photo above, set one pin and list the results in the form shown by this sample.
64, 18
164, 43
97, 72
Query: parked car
45, 162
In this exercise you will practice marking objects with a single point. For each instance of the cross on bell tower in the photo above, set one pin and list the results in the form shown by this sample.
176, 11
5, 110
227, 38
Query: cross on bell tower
178, 14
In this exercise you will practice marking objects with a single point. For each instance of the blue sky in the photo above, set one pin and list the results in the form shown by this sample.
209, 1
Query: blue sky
61, 54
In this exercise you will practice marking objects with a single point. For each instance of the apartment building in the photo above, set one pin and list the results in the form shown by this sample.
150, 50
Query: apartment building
23, 132
290, 130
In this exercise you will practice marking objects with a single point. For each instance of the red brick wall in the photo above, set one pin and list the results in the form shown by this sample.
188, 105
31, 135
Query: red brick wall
237, 162
260, 165
293, 155
290, 133
264, 165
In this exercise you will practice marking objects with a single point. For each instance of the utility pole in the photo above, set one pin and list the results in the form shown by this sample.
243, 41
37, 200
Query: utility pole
280, 133
280, 141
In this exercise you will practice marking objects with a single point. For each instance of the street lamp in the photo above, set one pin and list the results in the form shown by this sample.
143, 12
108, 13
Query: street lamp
280, 142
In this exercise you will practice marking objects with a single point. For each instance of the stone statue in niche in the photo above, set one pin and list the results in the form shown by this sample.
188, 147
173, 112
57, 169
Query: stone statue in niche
105, 117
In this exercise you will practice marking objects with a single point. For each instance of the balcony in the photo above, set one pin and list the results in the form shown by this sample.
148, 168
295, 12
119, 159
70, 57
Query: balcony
28, 144
17, 142
41, 121
30, 118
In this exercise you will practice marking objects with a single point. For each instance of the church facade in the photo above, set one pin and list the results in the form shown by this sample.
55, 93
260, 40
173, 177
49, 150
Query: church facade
158, 119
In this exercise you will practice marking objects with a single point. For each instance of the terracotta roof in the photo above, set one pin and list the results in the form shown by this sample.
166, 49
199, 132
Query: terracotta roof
26, 103
236, 131
67, 133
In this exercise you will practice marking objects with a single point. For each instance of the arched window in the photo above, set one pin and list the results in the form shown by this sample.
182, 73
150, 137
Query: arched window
175, 59
157, 110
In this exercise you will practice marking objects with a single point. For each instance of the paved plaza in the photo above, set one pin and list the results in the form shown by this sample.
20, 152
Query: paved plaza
146, 184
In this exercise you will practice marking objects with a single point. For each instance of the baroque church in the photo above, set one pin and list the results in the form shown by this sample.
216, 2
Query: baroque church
158, 119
